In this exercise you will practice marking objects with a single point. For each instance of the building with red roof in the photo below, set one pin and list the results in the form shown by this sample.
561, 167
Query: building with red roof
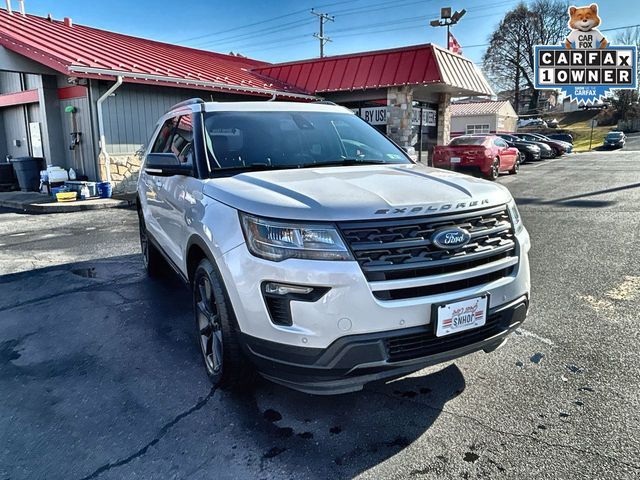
82, 97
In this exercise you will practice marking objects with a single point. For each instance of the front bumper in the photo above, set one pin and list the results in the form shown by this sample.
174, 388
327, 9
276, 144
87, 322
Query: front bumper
531, 156
350, 307
352, 361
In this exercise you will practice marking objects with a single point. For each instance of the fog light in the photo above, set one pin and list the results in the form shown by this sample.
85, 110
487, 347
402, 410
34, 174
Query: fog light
278, 298
283, 289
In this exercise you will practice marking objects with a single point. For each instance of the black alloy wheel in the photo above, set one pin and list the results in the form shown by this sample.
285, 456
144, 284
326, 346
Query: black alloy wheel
209, 328
151, 258
217, 331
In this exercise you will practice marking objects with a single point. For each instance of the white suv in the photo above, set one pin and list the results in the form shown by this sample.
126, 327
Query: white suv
318, 253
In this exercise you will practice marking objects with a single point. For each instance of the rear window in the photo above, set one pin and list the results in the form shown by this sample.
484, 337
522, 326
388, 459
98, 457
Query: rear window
468, 141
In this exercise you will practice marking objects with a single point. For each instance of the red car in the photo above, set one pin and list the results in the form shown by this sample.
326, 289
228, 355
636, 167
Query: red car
487, 154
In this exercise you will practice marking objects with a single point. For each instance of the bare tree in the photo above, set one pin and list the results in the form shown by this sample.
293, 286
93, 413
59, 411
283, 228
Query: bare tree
509, 59
626, 101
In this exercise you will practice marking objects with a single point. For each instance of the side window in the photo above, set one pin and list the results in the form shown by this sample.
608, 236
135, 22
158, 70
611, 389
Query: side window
161, 143
500, 143
176, 136
182, 141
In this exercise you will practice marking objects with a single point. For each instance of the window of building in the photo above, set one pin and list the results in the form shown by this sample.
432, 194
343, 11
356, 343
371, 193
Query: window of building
480, 128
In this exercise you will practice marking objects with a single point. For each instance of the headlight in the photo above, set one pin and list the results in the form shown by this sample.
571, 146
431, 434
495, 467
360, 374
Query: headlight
533, 148
516, 219
278, 241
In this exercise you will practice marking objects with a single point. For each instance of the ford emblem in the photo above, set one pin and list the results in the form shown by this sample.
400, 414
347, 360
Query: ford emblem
450, 238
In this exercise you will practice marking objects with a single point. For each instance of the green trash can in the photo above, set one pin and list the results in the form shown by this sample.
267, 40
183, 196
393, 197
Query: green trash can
27, 170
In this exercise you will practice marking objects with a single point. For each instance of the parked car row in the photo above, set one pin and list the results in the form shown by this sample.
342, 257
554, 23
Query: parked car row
491, 155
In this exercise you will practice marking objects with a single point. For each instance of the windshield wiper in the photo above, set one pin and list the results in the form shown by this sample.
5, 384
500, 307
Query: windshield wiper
344, 162
251, 167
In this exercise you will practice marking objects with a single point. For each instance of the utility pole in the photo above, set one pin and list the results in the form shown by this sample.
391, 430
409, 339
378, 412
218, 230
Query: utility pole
320, 36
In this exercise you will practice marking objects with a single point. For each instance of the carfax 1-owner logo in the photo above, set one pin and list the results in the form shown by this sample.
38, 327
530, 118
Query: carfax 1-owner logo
586, 67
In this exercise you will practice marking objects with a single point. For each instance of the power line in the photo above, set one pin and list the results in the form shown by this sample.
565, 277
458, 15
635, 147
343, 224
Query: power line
261, 22
410, 22
297, 12
385, 5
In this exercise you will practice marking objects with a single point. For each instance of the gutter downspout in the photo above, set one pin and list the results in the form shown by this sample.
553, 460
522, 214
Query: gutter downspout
103, 142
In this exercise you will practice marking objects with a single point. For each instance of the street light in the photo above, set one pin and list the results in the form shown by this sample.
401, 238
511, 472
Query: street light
447, 19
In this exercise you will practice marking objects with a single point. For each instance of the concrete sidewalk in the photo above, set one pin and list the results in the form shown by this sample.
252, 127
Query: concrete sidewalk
33, 202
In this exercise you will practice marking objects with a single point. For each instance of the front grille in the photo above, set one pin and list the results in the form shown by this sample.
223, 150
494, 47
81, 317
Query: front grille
418, 345
439, 288
402, 249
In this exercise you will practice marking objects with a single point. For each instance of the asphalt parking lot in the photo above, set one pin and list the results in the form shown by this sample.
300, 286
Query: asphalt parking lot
100, 375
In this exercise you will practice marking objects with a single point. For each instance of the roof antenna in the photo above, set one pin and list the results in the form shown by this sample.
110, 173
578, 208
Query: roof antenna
9, 10
21, 2
273, 97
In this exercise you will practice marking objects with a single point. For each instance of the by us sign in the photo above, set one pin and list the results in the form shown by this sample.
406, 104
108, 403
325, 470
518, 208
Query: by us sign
378, 116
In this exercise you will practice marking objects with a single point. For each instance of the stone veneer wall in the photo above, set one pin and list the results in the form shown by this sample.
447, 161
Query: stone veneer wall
399, 112
444, 119
124, 172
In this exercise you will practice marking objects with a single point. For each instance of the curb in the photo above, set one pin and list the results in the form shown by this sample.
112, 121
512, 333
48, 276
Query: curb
79, 206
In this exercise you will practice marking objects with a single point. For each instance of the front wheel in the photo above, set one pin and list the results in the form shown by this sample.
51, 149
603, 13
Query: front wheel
494, 170
151, 257
217, 333
516, 166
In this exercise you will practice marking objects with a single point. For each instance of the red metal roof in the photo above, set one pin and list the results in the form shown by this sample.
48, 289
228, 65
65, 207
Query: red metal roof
414, 65
89, 52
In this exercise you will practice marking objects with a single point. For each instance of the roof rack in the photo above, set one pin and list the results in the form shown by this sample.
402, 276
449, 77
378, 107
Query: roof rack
186, 103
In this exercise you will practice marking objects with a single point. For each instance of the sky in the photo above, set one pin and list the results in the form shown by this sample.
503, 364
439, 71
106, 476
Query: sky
278, 31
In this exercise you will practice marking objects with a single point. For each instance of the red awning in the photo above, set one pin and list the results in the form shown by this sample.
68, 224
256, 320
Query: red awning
415, 65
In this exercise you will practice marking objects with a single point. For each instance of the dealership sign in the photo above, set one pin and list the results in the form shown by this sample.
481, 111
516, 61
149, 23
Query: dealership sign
378, 116
586, 67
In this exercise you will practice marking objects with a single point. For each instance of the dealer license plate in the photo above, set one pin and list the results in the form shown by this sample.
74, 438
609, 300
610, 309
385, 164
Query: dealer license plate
454, 159
462, 315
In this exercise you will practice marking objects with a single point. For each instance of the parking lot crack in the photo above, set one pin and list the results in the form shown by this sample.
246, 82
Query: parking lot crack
514, 434
81, 289
161, 433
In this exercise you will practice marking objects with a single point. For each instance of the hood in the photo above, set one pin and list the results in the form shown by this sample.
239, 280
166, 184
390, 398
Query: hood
354, 192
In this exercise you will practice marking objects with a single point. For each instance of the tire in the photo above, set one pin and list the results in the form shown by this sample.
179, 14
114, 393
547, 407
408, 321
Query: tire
217, 331
151, 257
516, 166
494, 170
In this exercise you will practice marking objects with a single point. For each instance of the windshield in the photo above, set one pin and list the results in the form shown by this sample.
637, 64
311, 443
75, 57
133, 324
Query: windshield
540, 137
253, 140
614, 135
468, 141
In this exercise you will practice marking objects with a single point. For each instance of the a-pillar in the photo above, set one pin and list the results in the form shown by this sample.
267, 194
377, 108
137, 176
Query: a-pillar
399, 112
444, 119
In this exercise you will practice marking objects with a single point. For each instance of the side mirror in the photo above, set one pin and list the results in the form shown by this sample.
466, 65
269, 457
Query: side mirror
166, 165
